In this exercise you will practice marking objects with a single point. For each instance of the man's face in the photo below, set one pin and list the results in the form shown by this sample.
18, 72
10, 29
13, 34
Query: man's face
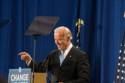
60, 41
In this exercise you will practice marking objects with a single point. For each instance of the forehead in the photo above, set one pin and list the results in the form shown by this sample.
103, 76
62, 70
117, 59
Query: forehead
59, 32
58, 35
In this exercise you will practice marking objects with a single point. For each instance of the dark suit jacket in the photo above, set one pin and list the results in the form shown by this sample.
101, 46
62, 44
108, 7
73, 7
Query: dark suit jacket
74, 69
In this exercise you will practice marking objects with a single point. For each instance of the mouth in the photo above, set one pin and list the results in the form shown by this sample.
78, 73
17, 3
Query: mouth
59, 47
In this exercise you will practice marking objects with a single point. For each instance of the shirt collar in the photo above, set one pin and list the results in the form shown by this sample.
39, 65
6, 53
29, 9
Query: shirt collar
65, 53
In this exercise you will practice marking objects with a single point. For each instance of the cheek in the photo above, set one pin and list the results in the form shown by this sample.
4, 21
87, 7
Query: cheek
57, 42
60, 44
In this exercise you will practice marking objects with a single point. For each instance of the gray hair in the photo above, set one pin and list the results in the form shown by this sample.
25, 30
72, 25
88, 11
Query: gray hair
65, 30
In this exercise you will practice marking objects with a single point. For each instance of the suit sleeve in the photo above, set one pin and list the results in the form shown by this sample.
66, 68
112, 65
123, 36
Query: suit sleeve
37, 67
43, 65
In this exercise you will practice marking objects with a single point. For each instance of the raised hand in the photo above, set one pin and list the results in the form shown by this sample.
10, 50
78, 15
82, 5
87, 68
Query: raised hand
25, 56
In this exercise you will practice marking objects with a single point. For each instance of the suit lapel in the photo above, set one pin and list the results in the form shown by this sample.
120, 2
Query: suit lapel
68, 57
57, 58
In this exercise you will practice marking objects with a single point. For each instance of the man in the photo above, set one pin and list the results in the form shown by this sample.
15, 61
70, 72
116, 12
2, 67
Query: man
67, 63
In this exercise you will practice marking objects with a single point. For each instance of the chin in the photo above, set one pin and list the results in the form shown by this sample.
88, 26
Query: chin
59, 48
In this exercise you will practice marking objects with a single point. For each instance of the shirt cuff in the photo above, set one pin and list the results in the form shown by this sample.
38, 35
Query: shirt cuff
28, 62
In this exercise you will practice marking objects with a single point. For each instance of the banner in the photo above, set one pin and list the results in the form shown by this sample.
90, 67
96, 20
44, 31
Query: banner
19, 75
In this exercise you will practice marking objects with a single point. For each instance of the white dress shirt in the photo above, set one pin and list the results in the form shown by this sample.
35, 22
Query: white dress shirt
64, 54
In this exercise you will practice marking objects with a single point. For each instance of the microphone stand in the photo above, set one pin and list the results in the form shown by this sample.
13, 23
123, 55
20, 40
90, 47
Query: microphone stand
34, 54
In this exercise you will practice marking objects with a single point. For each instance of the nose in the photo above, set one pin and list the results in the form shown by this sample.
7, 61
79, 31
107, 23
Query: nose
56, 41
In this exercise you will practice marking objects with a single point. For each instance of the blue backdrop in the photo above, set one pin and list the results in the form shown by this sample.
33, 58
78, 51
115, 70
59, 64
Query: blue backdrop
100, 36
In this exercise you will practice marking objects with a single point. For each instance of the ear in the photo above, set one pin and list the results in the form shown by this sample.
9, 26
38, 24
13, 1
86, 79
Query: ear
68, 38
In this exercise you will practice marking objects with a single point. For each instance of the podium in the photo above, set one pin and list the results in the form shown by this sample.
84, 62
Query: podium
40, 78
